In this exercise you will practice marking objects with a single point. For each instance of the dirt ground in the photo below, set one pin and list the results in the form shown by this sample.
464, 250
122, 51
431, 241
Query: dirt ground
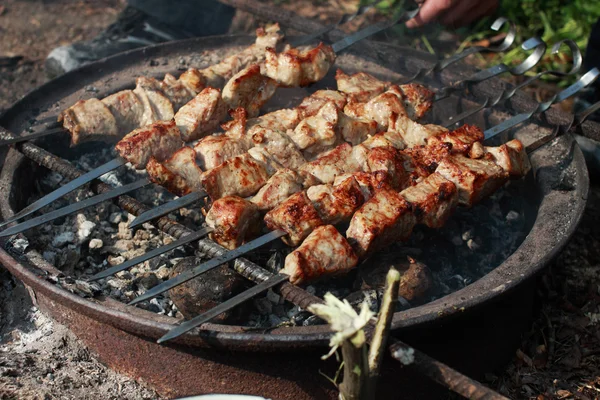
39, 359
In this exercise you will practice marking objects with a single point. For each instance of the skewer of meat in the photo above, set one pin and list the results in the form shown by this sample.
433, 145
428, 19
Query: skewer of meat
280, 132
470, 180
153, 100
385, 216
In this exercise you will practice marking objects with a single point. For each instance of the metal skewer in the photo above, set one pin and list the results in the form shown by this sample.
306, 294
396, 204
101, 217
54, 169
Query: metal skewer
117, 162
535, 43
439, 66
509, 93
585, 80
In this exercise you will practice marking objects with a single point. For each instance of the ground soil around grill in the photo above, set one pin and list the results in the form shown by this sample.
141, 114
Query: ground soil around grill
558, 358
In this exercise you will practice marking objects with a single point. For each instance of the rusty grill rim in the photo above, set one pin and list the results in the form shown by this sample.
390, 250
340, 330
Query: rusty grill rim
222, 335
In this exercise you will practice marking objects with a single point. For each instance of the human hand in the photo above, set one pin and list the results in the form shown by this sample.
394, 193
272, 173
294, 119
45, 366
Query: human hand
453, 13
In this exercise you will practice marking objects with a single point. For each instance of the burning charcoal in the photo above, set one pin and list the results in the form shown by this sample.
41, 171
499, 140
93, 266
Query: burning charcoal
206, 291
68, 259
148, 280
415, 281
49, 256
263, 306
512, 216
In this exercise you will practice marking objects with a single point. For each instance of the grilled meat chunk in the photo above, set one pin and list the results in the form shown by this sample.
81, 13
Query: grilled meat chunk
434, 199
315, 134
511, 157
294, 67
332, 163
234, 220
312, 104
87, 119
280, 186
265, 38
126, 108
296, 216
384, 219
249, 89
461, 138
159, 140
212, 151
368, 182
179, 174
384, 109
161, 105
279, 146
474, 179
362, 87
391, 161
239, 176
281, 120
201, 115
177, 91
336, 203
412, 133
193, 80
325, 252
353, 130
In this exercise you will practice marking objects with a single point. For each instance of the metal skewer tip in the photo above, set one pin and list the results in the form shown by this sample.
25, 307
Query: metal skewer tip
30, 136
151, 254
66, 189
70, 209
223, 307
167, 208
207, 266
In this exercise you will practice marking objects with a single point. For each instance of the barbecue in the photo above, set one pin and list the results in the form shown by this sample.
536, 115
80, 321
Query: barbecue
419, 176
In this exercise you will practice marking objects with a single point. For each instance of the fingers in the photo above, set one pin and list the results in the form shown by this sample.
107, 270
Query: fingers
430, 11
452, 13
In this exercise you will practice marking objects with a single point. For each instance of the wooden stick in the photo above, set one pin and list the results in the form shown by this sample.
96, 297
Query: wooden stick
382, 329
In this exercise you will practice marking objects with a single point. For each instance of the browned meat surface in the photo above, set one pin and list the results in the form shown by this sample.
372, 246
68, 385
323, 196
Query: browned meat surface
179, 174
213, 151
324, 253
279, 147
193, 80
355, 131
239, 176
201, 115
413, 133
360, 87
161, 105
381, 221
511, 157
461, 138
417, 100
249, 89
176, 91
280, 186
336, 203
126, 108
384, 109
312, 104
265, 38
282, 120
474, 179
368, 182
434, 199
423, 160
332, 163
294, 67
88, 120
159, 140
234, 221
391, 161
296, 216
315, 134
